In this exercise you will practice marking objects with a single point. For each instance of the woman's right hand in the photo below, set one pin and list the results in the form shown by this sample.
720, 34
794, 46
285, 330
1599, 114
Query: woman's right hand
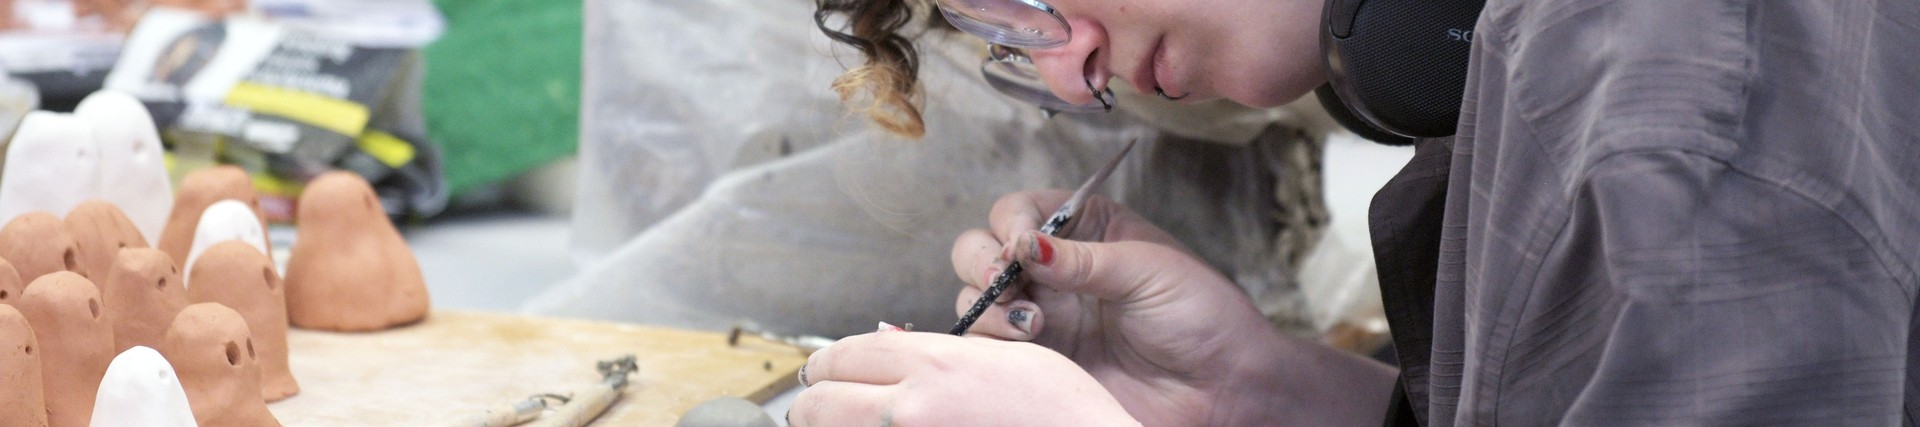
1173, 340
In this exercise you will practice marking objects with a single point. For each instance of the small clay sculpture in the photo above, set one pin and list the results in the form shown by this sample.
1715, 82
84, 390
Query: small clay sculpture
132, 167
10, 283
197, 191
36, 243
99, 230
22, 401
240, 277
223, 221
141, 389
210, 347
52, 166
143, 291
350, 270
66, 309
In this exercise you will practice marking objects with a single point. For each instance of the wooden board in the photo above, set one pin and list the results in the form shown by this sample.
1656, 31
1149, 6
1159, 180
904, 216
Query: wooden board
457, 364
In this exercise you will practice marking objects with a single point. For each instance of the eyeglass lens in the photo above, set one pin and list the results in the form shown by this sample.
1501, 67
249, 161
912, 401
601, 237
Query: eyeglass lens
1010, 25
1025, 24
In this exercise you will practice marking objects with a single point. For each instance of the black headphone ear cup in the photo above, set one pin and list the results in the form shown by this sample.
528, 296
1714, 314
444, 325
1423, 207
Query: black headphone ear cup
1398, 67
1345, 117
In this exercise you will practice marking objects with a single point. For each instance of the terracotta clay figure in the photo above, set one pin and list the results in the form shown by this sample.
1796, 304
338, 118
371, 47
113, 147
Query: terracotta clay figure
132, 167
22, 402
143, 291
37, 243
99, 231
223, 221
197, 191
239, 276
10, 283
141, 389
66, 309
350, 270
52, 165
214, 354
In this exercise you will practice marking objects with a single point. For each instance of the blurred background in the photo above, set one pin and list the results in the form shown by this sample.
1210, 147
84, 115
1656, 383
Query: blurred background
684, 163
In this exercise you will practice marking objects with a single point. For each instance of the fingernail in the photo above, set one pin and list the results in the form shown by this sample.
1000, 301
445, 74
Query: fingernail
1021, 319
1039, 250
803, 376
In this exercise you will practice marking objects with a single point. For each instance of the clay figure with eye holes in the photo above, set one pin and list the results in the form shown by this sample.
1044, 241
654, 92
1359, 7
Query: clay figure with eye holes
214, 354
237, 275
99, 231
141, 389
350, 270
225, 220
66, 309
144, 292
37, 244
51, 166
197, 191
22, 399
132, 165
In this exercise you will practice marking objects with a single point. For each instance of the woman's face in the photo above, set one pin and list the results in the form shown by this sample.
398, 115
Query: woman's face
1255, 52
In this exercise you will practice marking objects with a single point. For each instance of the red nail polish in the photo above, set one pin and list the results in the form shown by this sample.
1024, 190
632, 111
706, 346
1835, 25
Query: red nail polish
1042, 251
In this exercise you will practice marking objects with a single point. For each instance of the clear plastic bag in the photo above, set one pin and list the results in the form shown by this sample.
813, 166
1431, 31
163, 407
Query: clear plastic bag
721, 180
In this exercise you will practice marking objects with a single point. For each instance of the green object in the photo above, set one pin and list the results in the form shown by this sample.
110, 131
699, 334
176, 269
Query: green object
502, 89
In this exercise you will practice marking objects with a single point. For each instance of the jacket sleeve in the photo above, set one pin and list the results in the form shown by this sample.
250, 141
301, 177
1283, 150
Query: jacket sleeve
1746, 300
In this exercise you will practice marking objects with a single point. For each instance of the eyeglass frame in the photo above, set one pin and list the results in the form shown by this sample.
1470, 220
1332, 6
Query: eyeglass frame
1015, 61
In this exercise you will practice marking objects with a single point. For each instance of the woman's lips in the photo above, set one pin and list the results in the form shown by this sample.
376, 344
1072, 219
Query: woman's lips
1147, 76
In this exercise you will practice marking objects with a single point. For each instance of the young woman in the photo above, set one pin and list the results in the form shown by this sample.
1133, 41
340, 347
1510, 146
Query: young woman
1688, 213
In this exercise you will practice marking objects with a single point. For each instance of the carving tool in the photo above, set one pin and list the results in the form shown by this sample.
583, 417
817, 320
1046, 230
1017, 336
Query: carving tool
1056, 225
585, 405
575, 410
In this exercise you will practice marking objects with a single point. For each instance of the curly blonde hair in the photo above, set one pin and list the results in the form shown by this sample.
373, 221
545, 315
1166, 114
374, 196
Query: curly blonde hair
886, 87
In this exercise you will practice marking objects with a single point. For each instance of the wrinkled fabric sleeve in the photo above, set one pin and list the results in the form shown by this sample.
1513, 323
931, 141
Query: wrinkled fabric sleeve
1747, 299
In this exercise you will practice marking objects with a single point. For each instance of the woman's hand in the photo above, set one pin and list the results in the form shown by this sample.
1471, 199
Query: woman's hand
1173, 340
926, 379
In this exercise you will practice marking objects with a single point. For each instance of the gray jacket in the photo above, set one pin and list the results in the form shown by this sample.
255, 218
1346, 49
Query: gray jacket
1667, 212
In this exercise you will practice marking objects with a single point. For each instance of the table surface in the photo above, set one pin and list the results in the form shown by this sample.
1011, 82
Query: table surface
457, 364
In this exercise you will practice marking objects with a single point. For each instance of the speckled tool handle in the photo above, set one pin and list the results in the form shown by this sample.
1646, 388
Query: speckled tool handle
507, 415
1055, 226
582, 408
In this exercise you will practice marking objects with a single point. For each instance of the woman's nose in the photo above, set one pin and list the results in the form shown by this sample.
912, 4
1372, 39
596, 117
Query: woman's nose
1074, 71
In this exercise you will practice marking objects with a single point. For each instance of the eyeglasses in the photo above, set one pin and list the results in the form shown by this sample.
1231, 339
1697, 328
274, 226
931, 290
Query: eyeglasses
1009, 26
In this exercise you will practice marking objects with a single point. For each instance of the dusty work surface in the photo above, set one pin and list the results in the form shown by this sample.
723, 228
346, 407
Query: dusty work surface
457, 364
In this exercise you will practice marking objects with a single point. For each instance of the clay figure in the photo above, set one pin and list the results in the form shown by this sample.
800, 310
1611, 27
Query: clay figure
132, 165
239, 276
141, 389
223, 221
144, 292
36, 243
52, 165
22, 401
213, 352
66, 309
197, 191
99, 230
350, 270
10, 283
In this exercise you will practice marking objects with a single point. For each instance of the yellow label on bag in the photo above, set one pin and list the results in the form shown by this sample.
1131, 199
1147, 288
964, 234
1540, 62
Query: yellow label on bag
389, 149
338, 115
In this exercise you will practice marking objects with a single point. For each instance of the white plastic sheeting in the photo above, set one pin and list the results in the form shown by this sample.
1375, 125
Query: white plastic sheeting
721, 180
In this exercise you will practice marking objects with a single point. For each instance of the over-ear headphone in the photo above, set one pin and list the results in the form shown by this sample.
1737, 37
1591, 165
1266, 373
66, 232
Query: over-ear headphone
1396, 68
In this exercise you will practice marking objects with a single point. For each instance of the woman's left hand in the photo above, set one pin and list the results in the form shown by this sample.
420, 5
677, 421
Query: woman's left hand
924, 379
